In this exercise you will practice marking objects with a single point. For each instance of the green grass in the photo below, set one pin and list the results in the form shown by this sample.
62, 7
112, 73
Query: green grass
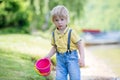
24, 43
17, 66
18, 54
111, 57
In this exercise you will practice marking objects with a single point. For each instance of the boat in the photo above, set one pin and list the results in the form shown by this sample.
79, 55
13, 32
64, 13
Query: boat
94, 37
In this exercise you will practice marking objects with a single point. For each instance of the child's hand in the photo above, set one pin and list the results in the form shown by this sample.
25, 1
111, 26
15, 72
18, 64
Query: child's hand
81, 62
47, 57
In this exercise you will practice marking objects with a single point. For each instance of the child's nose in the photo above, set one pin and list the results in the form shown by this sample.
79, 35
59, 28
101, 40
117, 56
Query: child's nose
59, 22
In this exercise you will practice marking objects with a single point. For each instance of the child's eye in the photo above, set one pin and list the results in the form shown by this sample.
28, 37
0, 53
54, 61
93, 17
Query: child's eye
62, 19
56, 20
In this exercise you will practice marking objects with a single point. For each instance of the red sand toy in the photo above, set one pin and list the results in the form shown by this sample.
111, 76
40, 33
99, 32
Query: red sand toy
43, 66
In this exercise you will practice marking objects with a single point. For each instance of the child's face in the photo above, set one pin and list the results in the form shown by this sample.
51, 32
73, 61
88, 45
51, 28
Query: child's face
60, 22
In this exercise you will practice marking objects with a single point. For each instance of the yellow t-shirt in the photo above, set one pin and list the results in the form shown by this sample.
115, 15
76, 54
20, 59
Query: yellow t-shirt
61, 40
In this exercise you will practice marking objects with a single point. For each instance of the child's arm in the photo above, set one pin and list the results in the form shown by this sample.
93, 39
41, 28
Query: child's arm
81, 53
52, 52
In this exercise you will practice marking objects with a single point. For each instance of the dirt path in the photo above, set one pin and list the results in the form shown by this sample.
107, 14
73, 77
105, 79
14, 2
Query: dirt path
96, 69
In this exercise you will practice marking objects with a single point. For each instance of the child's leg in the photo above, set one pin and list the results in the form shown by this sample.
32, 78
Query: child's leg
73, 66
61, 69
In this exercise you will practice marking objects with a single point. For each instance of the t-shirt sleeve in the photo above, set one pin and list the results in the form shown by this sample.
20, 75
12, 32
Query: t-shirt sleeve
75, 37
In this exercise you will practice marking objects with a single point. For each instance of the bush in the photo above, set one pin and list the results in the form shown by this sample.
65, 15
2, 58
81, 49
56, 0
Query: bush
13, 15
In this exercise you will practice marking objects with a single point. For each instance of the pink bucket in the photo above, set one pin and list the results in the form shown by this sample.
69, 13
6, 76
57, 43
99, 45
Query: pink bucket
43, 66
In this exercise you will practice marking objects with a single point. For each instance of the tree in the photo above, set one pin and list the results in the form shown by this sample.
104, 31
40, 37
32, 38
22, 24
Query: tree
35, 13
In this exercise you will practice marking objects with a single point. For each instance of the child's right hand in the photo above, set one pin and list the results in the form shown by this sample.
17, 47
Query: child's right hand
47, 57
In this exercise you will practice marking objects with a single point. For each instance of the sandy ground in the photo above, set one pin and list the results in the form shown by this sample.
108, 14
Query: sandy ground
96, 69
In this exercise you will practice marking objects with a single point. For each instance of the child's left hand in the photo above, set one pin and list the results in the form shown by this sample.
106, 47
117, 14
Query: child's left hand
81, 62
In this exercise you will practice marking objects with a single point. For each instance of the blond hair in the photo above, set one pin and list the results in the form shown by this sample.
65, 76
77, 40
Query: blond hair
60, 11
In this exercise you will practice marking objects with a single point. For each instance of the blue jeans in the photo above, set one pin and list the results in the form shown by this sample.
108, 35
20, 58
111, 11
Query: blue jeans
67, 63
